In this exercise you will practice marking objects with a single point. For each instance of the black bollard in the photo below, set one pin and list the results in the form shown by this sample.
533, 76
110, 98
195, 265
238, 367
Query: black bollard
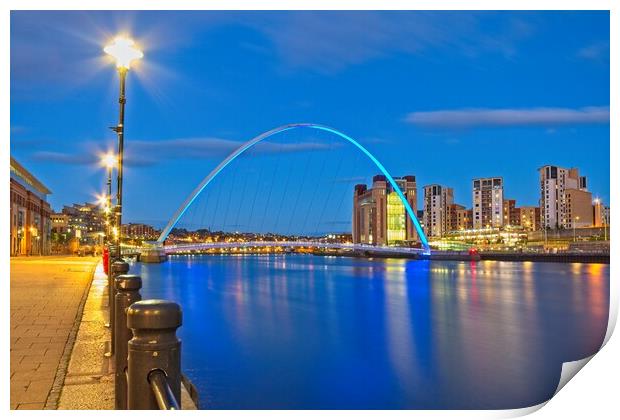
110, 286
154, 357
127, 292
118, 268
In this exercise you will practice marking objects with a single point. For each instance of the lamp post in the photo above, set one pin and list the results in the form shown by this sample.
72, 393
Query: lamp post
108, 160
124, 51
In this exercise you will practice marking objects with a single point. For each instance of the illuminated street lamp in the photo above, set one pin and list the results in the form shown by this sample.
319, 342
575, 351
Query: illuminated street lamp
124, 51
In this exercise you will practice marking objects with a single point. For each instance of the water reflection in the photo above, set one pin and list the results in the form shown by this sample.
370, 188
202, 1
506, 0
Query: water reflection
294, 331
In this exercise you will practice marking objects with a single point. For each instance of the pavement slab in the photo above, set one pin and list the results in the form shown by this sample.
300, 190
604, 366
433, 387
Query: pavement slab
47, 296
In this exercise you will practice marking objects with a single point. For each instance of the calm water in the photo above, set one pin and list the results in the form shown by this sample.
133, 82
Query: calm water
294, 331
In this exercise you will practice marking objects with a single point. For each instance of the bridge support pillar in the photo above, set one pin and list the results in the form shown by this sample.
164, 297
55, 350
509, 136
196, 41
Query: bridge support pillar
154, 254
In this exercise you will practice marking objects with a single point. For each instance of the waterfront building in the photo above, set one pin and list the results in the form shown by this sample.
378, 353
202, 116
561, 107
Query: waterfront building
29, 212
600, 214
529, 218
437, 200
138, 231
579, 212
379, 216
459, 217
511, 213
488, 202
557, 185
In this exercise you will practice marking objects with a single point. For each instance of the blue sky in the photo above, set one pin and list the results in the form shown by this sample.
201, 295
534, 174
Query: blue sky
446, 96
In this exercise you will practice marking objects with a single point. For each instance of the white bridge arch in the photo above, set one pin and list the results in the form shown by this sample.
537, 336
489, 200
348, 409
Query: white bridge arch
196, 192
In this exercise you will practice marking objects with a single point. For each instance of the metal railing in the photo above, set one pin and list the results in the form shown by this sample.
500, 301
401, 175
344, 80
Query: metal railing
162, 391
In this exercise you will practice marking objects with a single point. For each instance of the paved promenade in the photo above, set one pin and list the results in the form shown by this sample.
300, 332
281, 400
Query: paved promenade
47, 297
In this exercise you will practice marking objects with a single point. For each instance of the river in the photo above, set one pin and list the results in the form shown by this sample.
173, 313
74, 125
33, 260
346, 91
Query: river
313, 332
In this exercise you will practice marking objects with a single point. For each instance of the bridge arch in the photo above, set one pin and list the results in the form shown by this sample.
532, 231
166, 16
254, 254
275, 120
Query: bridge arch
196, 192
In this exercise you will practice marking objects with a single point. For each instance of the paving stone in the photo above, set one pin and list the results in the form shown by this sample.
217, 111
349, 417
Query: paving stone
45, 295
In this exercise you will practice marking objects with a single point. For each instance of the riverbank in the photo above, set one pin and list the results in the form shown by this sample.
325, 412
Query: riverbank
47, 298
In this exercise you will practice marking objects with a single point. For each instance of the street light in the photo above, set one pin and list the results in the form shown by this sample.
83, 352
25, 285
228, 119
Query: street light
124, 51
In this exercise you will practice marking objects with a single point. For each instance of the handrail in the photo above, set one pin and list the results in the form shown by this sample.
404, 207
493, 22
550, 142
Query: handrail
162, 391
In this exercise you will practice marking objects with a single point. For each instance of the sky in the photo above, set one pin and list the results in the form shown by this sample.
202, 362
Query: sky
444, 96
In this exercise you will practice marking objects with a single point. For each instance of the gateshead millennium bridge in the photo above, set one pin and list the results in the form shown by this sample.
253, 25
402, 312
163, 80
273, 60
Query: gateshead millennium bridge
159, 246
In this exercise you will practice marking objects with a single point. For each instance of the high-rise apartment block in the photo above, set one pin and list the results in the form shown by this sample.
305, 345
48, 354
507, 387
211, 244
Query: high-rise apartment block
437, 200
564, 199
379, 215
488, 202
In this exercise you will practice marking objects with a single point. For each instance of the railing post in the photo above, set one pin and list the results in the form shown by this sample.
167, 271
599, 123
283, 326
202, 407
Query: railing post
118, 267
154, 346
127, 292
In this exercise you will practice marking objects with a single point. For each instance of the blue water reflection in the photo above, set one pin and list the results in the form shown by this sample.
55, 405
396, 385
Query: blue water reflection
299, 331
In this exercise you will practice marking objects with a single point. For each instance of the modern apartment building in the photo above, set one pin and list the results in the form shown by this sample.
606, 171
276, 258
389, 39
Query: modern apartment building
563, 198
379, 215
511, 213
437, 200
529, 217
488, 202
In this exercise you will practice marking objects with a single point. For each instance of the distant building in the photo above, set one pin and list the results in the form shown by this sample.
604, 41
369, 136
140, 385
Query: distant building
459, 218
488, 202
529, 218
564, 198
437, 200
379, 216
29, 212
511, 213
578, 208
138, 231
600, 214
60, 223
84, 220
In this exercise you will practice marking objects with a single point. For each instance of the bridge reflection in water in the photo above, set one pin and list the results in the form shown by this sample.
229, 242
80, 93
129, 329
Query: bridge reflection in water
303, 331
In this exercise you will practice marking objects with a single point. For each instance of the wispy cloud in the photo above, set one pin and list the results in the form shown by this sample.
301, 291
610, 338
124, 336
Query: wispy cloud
596, 51
476, 117
329, 41
147, 152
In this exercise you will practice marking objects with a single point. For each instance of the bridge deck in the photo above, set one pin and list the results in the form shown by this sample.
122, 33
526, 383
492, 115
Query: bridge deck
168, 249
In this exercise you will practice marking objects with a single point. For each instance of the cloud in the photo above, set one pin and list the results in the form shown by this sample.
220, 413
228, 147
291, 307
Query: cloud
208, 147
148, 153
64, 46
477, 117
596, 51
64, 158
330, 41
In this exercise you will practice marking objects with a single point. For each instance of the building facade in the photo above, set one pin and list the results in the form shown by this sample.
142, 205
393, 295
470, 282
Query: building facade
29, 212
138, 231
488, 202
437, 200
379, 216
563, 193
529, 218
84, 220
511, 213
